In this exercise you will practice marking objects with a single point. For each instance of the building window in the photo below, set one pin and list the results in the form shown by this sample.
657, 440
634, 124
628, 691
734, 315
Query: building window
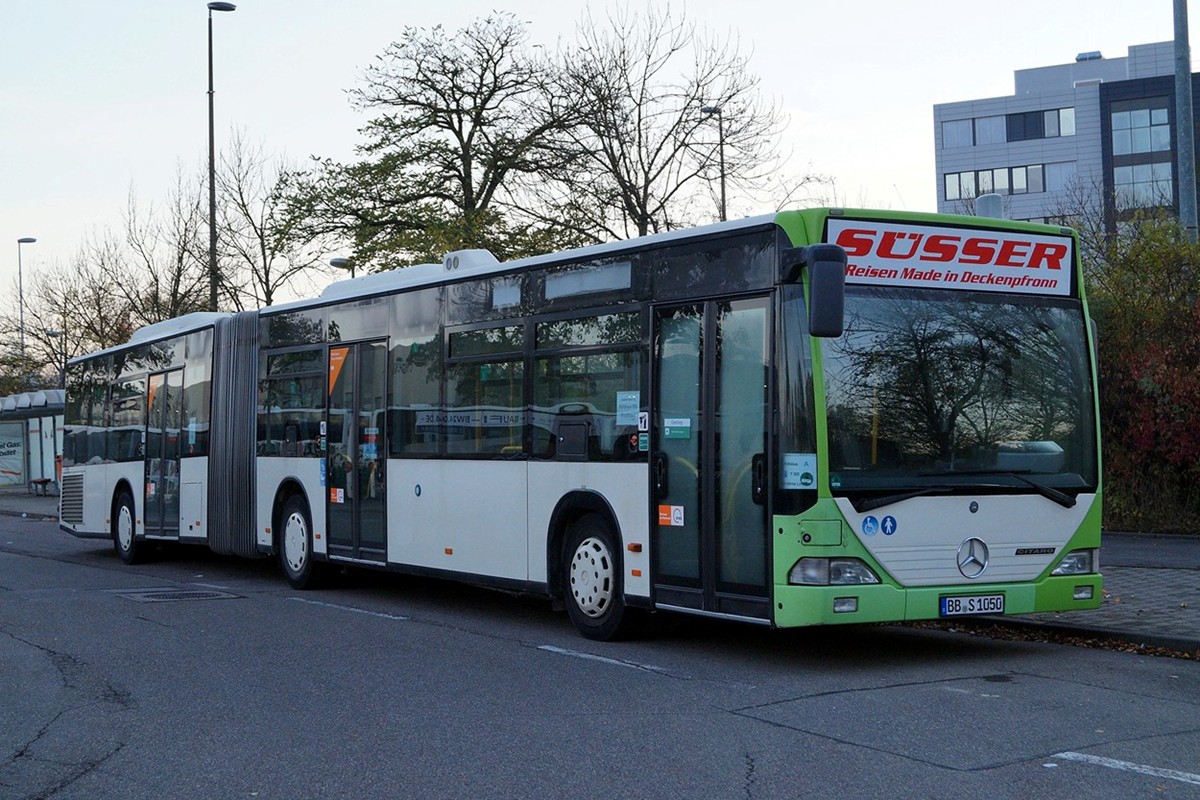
990, 130
1143, 185
1060, 176
1028, 179
1005, 180
1059, 122
1040, 124
1062, 220
956, 133
960, 185
993, 180
1029, 125
1140, 126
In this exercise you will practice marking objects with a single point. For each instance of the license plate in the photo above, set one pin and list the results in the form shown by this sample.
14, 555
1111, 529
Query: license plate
972, 604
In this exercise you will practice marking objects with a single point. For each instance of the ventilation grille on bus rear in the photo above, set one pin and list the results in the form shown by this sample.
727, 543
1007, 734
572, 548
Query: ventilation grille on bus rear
71, 499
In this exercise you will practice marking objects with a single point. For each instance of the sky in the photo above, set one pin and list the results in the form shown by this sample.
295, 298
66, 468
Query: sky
101, 98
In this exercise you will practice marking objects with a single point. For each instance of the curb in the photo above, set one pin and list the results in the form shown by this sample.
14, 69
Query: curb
12, 512
1181, 644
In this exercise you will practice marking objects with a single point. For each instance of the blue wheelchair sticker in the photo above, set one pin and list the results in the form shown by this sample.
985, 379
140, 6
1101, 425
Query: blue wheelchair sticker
870, 526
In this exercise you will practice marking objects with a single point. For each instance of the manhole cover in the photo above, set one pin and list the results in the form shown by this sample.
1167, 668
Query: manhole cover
172, 596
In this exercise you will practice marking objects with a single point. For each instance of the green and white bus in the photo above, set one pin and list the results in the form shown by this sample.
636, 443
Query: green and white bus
815, 417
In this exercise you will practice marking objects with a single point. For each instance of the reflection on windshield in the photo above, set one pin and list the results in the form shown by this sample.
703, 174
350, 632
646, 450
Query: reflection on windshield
925, 385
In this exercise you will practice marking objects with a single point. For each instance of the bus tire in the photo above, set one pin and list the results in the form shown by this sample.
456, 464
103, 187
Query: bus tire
124, 530
296, 544
592, 587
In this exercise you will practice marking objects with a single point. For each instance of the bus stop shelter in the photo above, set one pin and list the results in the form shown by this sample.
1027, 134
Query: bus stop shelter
31, 438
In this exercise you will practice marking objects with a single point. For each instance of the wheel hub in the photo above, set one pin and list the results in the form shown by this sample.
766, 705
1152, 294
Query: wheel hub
124, 528
592, 577
295, 542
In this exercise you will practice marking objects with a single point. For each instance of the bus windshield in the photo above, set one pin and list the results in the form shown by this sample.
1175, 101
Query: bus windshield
940, 391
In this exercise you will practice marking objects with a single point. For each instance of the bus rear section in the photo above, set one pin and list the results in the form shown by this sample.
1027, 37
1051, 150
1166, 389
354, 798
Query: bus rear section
949, 463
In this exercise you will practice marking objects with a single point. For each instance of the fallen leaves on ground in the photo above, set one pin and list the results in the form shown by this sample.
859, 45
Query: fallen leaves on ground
1026, 633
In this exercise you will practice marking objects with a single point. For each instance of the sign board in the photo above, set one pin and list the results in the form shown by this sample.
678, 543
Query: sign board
799, 470
942, 257
628, 406
677, 428
12, 453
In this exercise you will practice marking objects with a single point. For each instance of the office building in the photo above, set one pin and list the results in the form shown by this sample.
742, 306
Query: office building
1098, 128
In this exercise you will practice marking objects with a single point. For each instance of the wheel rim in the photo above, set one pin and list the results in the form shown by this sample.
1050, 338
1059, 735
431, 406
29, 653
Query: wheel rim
124, 528
295, 541
592, 577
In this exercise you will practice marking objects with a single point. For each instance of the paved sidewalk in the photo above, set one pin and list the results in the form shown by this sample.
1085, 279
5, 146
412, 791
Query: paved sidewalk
1151, 585
20, 502
1151, 606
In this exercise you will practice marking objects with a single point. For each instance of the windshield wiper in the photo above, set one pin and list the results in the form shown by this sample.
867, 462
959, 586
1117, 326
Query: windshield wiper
870, 503
1062, 498
1049, 492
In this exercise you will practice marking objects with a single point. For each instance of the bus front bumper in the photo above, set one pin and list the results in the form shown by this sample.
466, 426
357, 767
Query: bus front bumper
797, 606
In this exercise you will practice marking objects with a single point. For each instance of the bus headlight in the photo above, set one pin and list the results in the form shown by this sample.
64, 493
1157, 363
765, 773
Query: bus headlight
1078, 562
831, 572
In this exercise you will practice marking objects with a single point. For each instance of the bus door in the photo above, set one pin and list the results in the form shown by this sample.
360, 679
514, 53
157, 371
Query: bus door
164, 405
355, 460
710, 422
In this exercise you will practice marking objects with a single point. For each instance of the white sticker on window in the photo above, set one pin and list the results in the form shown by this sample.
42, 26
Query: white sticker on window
799, 470
628, 405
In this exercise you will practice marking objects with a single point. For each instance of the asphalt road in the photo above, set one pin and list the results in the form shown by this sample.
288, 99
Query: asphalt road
389, 687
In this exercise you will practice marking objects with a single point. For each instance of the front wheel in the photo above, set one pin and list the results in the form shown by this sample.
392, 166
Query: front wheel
592, 585
295, 544
124, 530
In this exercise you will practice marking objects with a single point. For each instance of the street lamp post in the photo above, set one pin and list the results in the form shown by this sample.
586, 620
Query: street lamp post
21, 288
710, 110
213, 274
342, 263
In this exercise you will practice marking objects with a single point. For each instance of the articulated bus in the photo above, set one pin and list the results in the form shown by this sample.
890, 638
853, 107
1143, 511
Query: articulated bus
815, 417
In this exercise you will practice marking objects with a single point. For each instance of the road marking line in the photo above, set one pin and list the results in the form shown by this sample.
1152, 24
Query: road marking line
592, 657
349, 608
1129, 766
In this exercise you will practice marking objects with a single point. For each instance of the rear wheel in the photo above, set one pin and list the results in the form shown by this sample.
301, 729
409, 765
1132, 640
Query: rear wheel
124, 530
295, 544
591, 580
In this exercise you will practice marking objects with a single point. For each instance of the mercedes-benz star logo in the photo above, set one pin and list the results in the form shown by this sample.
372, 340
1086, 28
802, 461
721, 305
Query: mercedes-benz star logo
972, 557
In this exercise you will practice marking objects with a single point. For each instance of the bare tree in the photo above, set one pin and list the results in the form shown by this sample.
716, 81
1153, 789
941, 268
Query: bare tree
68, 311
162, 271
648, 148
459, 117
259, 236
116, 282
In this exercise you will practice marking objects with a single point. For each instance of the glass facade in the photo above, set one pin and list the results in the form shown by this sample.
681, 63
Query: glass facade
1140, 127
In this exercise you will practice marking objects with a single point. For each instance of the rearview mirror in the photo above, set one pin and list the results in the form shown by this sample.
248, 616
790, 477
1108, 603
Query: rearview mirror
826, 266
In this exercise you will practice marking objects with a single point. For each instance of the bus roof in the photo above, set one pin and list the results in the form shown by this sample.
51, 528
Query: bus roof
474, 263
481, 262
162, 330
